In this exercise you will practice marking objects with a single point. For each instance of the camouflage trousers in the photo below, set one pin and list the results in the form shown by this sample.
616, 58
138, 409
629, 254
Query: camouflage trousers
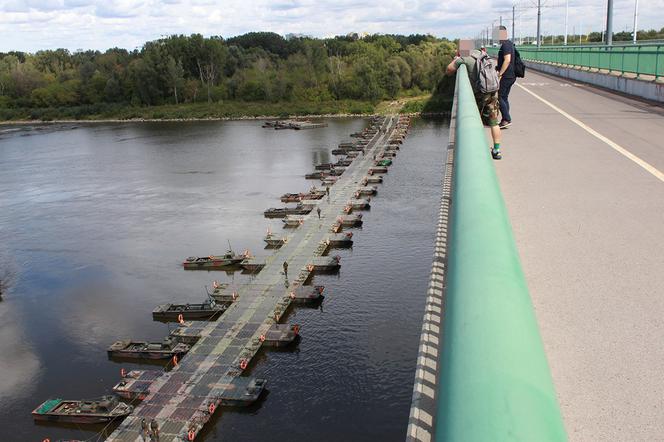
488, 107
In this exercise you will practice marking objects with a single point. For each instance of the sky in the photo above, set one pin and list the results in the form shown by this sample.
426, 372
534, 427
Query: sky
32, 25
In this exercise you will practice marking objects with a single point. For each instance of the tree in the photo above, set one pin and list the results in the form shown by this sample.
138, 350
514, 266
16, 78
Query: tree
175, 75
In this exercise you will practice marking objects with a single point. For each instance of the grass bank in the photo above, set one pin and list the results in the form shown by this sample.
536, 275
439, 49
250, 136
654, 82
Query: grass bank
189, 111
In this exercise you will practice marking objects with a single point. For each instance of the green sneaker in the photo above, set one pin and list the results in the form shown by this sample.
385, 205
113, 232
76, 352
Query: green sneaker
495, 153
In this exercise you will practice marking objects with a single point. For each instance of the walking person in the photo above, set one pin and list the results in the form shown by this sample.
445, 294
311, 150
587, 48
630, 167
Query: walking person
487, 102
318, 212
286, 269
507, 76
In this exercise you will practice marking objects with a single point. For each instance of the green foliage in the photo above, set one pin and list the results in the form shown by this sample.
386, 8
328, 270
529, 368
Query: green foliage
258, 67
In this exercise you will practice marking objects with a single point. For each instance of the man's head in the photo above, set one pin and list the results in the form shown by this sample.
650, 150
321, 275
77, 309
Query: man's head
502, 33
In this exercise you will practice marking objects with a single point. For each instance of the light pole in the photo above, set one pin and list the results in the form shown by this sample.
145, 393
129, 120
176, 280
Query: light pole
539, 19
636, 14
566, 17
609, 22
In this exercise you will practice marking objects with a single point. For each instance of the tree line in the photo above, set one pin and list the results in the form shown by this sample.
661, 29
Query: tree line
256, 67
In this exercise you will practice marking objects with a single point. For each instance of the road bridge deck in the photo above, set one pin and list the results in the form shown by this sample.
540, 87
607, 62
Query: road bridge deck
586, 199
179, 401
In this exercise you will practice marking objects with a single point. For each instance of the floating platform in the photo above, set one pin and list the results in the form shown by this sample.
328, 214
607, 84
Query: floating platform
350, 220
377, 169
359, 204
239, 392
372, 179
316, 175
367, 190
293, 220
340, 240
275, 241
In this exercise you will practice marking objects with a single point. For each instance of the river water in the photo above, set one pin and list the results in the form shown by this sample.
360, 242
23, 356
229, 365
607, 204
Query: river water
95, 221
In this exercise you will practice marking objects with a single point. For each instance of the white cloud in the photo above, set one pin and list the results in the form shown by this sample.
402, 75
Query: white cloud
100, 24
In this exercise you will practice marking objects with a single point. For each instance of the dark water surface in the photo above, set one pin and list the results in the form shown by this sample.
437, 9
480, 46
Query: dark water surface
95, 221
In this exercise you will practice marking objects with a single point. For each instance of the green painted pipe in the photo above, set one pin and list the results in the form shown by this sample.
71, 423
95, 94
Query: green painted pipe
495, 384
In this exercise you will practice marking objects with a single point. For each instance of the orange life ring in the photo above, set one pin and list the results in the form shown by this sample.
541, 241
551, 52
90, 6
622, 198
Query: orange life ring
123, 372
211, 257
211, 408
191, 435
181, 318
243, 364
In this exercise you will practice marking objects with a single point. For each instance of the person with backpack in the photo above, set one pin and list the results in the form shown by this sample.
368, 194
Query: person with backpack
507, 73
484, 80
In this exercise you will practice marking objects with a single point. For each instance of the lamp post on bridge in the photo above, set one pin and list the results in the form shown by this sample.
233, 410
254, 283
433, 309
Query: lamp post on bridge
636, 14
609, 22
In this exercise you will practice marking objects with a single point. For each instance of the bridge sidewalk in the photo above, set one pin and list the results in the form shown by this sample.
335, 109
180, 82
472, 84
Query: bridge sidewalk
589, 224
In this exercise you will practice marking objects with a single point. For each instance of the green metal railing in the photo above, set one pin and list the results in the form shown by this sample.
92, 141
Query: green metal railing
640, 59
495, 384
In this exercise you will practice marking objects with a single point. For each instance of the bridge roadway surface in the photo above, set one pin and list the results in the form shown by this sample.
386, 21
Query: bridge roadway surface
179, 400
589, 225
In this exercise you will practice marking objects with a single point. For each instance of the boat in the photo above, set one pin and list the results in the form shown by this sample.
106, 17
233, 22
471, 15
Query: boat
176, 312
384, 162
147, 350
377, 169
350, 220
373, 179
345, 162
280, 335
273, 240
293, 220
359, 204
229, 258
340, 240
136, 384
324, 166
353, 154
367, 190
305, 294
316, 175
337, 171
314, 194
103, 410
281, 212
328, 181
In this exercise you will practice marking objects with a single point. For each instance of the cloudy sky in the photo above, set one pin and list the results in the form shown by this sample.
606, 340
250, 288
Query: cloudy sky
31, 25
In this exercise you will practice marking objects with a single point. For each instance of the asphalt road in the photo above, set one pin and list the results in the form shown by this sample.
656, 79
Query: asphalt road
585, 193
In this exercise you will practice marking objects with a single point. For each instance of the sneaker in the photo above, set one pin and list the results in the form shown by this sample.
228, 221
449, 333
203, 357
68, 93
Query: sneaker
505, 124
495, 153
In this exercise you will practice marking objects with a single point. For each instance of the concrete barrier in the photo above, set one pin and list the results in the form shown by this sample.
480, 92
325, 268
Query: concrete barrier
650, 90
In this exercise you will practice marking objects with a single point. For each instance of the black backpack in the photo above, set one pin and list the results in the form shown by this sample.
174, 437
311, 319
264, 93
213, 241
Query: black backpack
519, 67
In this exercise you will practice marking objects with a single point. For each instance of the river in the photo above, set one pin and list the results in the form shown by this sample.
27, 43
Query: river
95, 220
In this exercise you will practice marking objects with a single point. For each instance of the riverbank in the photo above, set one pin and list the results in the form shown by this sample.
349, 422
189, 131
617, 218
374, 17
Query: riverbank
111, 113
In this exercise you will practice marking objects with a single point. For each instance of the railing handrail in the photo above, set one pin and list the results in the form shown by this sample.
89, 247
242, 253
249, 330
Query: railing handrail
495, 383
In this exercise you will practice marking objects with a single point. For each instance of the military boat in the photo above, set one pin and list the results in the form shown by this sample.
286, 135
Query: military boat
384, 162
280, 335
176, 312
377, 169
213, 262
293, 221
372, 179
136, 384
316, 175
106, 409
305, 294
350, 220
324, 166
340, 240
147, 350
359, 204
367, 190
300, 209
273, 240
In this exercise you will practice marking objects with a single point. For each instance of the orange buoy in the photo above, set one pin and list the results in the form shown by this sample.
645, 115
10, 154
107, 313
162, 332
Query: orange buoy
211, 408
292, 295
310, 267
243, 363
191, 435
181, 318
175, 360
262, 338
296, 328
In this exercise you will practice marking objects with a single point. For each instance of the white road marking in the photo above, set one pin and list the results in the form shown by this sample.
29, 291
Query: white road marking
645, 165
